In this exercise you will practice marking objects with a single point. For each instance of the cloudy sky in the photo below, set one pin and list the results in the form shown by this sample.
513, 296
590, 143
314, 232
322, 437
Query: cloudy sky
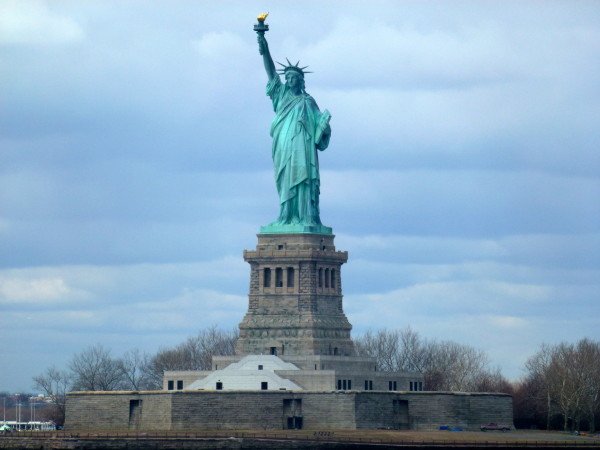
462, 177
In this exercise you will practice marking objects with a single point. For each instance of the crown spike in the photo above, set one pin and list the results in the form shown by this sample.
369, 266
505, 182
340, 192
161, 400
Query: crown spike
293, 67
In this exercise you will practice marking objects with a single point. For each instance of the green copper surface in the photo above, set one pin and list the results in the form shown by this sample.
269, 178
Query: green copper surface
299, 130
295, 228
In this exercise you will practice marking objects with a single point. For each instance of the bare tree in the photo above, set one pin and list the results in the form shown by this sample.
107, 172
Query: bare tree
166, 359
134, 368
492, 380
568, 375
455, 367
194, 354
213, 341
395, 350
95, 370
55, 384
529, 406
415, 351
445, 365
539, 384
591, 380
564, 373
385, 345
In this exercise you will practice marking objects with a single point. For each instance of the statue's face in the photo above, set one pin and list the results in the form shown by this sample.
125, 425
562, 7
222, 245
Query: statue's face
294, 80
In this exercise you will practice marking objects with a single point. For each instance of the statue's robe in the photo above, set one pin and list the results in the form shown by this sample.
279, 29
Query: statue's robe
297, 131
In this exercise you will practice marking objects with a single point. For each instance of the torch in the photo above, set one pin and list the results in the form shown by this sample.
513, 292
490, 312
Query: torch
261, 26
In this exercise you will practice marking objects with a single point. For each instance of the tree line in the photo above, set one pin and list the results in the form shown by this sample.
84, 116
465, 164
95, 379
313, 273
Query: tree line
96, 369
445, 365
560, 388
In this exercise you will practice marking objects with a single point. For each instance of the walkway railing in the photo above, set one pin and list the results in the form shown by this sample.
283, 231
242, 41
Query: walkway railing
304, 436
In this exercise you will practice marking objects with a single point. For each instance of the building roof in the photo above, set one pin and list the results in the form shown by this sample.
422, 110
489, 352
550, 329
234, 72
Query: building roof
249, 374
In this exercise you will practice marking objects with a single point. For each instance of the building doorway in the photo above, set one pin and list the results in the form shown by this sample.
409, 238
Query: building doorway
400, 419
292, 413
135, 414
294, 423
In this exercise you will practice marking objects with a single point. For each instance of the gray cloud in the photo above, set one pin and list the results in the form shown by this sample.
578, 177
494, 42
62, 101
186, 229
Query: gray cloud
135, 167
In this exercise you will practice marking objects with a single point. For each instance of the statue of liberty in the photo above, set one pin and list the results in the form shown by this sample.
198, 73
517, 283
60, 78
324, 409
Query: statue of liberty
298, 130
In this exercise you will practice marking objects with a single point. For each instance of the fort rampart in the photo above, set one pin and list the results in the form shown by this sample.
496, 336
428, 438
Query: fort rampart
277, 410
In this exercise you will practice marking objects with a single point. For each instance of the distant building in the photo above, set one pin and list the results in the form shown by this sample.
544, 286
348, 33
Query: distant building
31, 425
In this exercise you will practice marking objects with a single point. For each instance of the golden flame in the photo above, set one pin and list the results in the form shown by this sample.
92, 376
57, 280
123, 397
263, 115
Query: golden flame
262, 17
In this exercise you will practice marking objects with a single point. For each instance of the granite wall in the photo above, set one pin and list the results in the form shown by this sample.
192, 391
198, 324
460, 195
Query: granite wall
273, 410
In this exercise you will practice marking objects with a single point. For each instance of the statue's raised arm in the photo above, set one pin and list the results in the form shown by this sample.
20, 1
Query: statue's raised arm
263, 49
263, 46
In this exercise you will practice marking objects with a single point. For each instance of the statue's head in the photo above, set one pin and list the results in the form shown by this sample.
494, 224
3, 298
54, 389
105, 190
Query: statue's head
295, 79
293, 71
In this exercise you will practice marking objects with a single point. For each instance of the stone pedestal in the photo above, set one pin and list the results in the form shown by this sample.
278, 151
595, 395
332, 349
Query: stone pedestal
295, 299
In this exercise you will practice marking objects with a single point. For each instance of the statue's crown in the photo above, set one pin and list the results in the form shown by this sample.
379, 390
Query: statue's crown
293, 68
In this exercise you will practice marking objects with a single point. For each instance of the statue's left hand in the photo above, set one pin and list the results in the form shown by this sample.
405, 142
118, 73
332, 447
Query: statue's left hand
323, 129
324, 120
